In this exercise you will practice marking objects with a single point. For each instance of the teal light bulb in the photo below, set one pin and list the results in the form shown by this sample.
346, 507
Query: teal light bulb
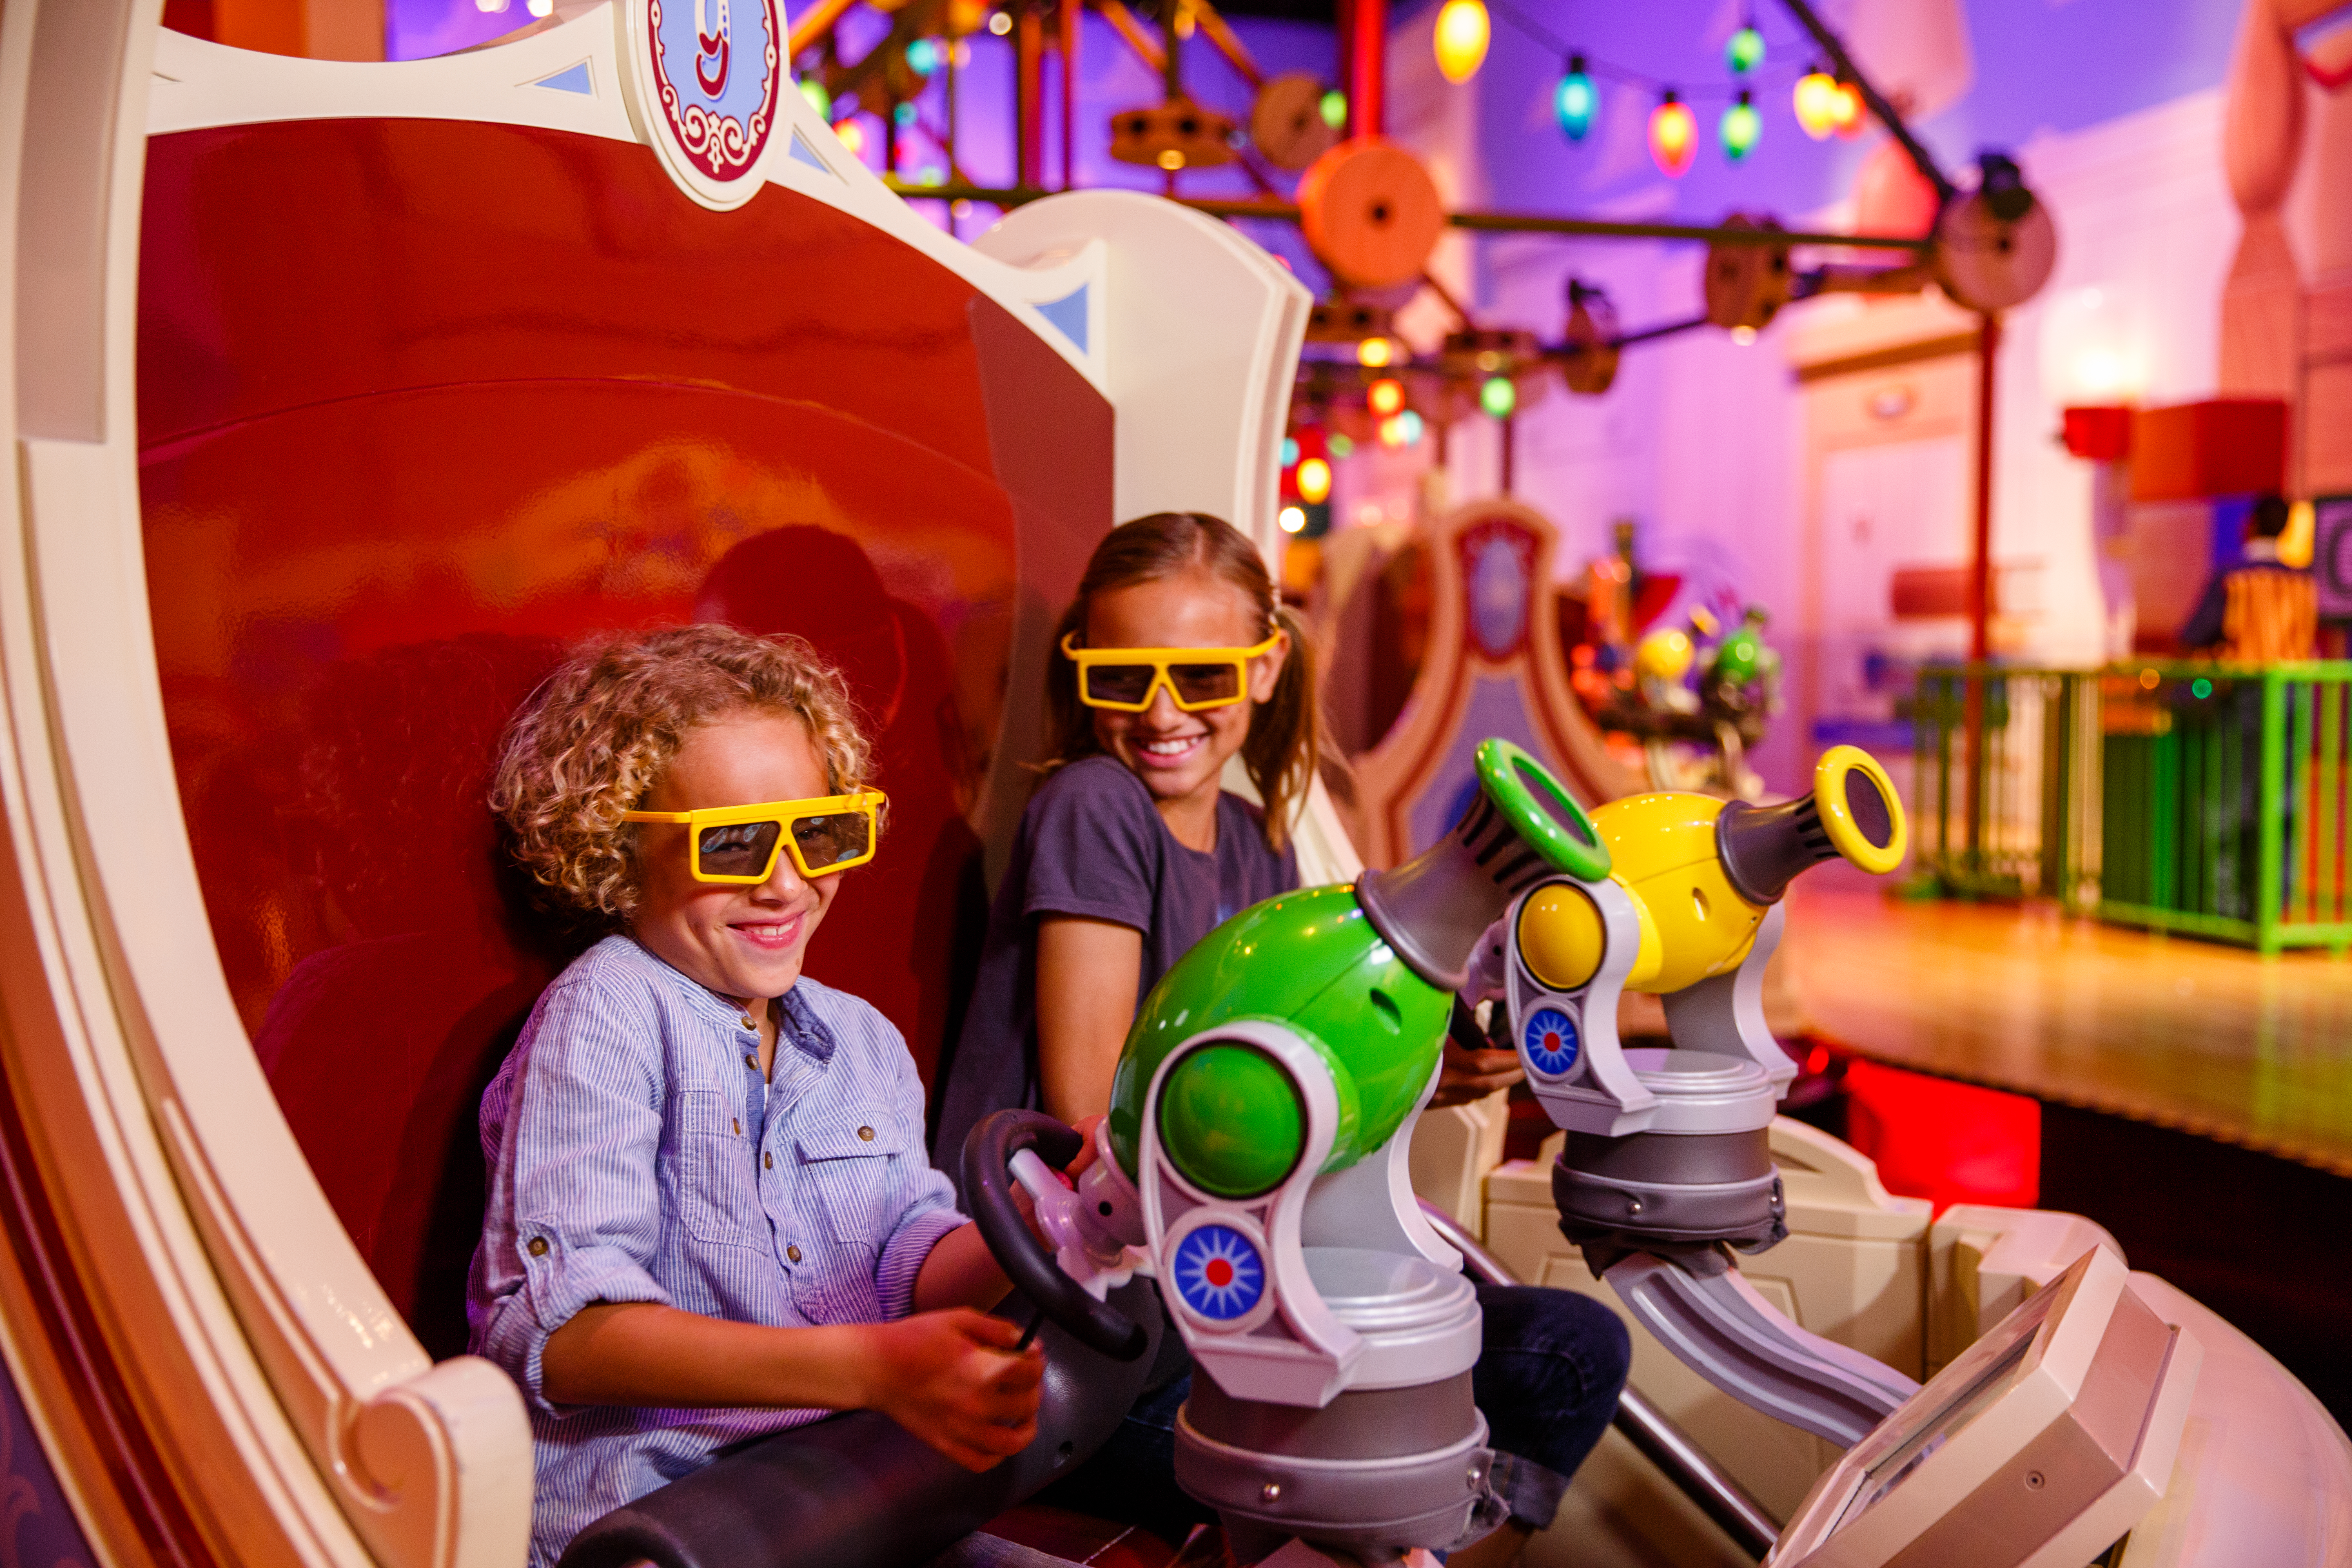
1575, 100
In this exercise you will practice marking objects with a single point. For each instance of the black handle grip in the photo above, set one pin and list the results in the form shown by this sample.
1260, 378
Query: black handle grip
988, 1187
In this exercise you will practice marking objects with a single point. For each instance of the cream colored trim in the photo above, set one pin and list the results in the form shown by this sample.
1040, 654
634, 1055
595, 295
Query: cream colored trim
199, 84
304, 1422
1201, 329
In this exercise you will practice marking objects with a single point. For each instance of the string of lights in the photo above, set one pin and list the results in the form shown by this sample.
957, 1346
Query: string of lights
1748, 44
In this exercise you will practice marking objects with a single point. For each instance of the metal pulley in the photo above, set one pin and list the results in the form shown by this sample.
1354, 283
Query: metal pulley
1587, 352
1371, 213
1177, 134
1287, 121
1747, 284
1995, 247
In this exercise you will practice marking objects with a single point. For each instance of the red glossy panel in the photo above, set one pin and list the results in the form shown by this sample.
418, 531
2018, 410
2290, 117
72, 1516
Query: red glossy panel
384, 488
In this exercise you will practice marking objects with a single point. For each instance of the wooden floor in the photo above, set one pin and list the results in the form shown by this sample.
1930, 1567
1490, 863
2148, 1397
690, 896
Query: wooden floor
2210, 1040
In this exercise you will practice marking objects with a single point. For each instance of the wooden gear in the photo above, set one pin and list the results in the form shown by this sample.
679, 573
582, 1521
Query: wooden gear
1747, 284
1371, 213
1180, 128
1287, 121
1588, 360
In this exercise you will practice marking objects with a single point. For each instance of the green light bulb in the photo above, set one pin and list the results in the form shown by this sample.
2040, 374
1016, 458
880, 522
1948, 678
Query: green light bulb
1335, 109
1740, 127
1745, 51
818, 99
1498, 397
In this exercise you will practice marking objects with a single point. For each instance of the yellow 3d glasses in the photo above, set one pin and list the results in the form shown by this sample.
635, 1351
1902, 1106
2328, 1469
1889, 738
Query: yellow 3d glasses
739, 843
1123, 679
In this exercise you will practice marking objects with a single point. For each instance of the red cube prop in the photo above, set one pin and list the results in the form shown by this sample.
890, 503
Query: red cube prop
2228, 447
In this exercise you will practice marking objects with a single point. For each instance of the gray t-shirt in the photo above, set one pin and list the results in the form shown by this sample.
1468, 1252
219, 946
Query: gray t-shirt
1092, 844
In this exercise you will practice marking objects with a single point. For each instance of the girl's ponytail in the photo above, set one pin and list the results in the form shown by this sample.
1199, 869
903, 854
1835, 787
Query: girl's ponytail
1285, 734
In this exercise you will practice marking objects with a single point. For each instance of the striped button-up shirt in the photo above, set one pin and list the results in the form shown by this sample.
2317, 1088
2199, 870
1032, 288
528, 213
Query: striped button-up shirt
636, 1153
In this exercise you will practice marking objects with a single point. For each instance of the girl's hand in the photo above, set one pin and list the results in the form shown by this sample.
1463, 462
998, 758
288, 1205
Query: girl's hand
954, 1380
1468, 1076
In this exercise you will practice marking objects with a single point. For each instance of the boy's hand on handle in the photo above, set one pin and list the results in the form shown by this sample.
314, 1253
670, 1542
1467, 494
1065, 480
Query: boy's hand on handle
953, 1379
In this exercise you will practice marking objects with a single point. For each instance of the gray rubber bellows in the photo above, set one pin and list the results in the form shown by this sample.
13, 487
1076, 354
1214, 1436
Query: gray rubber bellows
1433, 909
1763, 848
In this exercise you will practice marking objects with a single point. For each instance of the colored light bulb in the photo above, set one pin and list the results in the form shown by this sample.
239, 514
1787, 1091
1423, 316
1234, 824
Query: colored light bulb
853, 136
1575, 100
925, 56
1740, 127
1334, 106
1339, 445
1462, 32
1409, 422
1314, 482
1292, 518
1290, 450
1817, 104
1385, 397
1846, 109
1498, 397
1374, 352
1674, 135
818, 99
1745, 51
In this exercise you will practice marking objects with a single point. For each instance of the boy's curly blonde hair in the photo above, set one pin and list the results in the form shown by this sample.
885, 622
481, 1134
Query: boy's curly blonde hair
597, 734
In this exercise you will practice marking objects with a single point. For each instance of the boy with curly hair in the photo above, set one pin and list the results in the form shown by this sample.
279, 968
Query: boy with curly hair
709, 1215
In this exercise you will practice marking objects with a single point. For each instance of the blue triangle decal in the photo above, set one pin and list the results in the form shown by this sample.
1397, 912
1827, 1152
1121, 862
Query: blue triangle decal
571, 78
1069, 314
802, 152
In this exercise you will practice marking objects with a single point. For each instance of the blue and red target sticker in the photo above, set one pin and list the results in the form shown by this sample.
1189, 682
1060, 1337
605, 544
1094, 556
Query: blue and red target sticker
1550, 1039
1218, 1274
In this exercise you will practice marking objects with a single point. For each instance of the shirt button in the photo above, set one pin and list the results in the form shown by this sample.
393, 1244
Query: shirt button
772, 1160
739, 1127
752, 1061
794, 1253
749, 1025
538, 1246
866, 1134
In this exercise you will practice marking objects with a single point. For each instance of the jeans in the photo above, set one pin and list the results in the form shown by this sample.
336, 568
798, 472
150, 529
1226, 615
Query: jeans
1547, 1380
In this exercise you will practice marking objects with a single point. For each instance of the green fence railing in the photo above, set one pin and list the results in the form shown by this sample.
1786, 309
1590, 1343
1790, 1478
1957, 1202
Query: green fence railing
2008, 806
2213, 799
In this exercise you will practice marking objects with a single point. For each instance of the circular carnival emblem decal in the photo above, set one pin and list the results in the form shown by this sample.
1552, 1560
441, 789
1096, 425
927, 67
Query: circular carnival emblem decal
713, 70
1551, 1037
1218, 1274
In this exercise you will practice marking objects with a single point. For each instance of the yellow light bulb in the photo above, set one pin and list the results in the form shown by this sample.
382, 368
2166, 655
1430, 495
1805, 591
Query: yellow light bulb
1462, 31
1171, 160
1373, 353
1817, 104
1314, 482
1385, 397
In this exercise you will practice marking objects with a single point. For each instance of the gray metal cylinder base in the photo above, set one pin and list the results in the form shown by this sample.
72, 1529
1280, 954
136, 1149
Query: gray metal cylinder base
1341, 1491
1670, 1190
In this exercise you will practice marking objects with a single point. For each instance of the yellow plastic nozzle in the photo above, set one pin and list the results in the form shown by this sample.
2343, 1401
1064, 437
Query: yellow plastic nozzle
1860, 809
